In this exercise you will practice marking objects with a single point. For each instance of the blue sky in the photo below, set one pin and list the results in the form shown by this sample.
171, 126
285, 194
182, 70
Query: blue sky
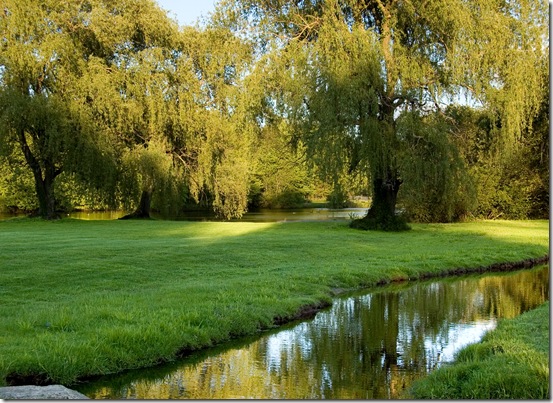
187, 11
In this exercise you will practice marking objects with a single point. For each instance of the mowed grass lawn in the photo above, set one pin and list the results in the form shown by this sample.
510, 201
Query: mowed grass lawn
83, 298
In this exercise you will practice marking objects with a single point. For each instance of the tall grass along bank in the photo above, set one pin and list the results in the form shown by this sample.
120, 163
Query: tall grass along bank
511, 362
84, 298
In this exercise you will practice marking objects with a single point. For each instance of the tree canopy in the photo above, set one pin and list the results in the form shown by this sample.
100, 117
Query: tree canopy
360, 78
115, 99
114, 90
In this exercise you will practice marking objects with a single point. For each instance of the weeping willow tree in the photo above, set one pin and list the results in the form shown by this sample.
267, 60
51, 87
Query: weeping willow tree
172, 98
349, 70
211, 125
134, 107
43, 59
114, 93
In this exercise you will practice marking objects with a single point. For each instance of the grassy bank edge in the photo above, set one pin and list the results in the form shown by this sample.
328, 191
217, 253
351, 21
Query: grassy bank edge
495, 267
310, 309
305, 312
511, 362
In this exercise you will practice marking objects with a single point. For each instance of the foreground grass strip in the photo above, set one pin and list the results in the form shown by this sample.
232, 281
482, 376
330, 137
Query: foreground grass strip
511, 362
82, 298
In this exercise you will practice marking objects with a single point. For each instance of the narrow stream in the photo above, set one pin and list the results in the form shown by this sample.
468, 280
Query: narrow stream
369, 345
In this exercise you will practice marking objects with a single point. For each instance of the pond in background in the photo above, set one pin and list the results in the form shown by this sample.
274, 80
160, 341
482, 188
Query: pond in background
307, 214
4, 215
264, 215
368, 345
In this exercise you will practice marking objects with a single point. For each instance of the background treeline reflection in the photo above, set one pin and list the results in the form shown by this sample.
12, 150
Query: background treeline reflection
368, 346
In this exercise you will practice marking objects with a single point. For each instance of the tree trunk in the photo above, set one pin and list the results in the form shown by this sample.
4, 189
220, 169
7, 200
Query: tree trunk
382, 213
143, 209
44, 180
45, 192
384, 197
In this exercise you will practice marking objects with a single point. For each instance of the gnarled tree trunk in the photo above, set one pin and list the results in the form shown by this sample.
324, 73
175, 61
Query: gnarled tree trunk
44, 176
45, 192
382, 213
144, 207
384, 197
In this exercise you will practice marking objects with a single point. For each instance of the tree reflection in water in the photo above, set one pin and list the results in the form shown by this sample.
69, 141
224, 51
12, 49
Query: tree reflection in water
367, 346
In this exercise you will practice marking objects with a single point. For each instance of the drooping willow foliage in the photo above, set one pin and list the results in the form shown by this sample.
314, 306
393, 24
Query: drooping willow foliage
115, 100
355, 74
115, 95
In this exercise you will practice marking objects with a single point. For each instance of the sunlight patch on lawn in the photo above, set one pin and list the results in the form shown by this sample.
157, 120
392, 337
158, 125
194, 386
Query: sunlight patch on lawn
520, 232
213, 230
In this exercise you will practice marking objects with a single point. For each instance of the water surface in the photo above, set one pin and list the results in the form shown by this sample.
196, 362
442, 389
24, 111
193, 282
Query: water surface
368, 345
264, 215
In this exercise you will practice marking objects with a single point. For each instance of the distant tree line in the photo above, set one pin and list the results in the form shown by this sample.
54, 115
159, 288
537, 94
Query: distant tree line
112, 105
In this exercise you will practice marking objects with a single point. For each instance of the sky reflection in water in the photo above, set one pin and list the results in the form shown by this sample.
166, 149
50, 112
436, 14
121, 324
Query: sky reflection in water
366, 346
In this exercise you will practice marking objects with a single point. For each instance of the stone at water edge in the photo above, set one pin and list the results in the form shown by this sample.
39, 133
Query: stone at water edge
51, 392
